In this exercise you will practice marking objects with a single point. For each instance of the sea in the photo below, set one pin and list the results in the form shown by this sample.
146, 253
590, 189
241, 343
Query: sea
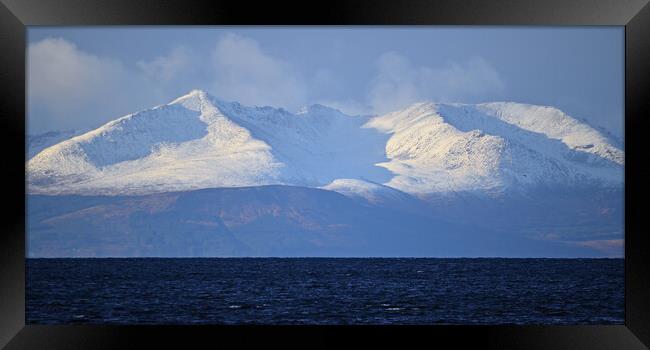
339, 291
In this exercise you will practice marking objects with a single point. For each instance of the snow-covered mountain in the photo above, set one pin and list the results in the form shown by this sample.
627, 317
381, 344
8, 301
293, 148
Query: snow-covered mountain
198, 141
37, 143
215, 178
371, 192
438, 148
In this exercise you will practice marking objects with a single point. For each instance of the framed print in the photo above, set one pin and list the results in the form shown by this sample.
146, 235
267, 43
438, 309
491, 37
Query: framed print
459, 171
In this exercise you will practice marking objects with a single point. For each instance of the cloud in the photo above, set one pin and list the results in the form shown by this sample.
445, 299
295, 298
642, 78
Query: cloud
243, 72
70, 89
399, 83
608, 247
349, 107
175, 73
60, 74
167, 67
611, 247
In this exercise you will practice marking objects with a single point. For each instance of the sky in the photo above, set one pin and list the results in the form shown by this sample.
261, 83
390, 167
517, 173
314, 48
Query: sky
82, 77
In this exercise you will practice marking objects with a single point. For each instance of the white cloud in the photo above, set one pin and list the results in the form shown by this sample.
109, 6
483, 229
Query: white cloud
399, 83
324, 81
71, 89
60, 74
611, 247
349, 107
167, 67
243, 72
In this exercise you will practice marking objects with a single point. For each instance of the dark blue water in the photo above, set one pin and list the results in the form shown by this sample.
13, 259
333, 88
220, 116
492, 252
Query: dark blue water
325, 291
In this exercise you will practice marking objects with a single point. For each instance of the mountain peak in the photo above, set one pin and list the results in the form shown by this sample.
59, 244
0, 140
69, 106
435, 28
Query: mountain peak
197, 92
193, 95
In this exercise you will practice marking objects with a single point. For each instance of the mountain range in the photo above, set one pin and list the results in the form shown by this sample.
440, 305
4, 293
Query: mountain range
204, 177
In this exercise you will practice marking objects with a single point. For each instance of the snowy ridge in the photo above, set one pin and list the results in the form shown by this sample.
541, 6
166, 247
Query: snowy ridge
556, 124
39, 142
372, 192
198, 141
491, 147
187, 144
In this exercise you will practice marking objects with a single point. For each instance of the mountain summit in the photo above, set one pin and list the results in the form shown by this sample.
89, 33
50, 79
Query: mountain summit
198, 141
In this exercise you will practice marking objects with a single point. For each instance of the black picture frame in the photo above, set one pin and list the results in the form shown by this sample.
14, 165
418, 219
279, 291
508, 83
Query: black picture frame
15, 15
